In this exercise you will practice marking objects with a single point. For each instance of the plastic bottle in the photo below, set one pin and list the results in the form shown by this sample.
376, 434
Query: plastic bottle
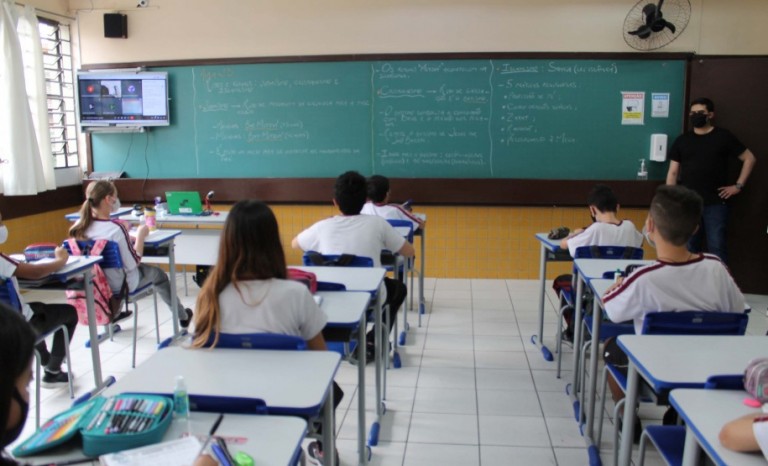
617, 275
180, 399
150, 219
642, 173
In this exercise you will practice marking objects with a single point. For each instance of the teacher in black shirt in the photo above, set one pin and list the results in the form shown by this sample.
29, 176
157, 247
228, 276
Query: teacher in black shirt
699, 161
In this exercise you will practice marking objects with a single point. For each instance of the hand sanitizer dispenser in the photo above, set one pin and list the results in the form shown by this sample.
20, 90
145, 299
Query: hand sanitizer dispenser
658, 147
642, 172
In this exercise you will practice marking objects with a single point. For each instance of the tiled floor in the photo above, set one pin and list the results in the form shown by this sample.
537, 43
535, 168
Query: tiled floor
473, 390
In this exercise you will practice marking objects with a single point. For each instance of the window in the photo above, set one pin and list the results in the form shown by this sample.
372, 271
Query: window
59, 83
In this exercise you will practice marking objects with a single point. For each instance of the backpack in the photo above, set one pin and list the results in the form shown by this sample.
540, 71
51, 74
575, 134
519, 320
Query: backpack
318, 259
307, 278
107, 304
756, 379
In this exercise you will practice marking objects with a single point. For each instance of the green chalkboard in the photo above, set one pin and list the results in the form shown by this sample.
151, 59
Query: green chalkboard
539, 118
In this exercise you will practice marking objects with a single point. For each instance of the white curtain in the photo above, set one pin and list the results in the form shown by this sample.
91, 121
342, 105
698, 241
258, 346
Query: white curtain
23, 165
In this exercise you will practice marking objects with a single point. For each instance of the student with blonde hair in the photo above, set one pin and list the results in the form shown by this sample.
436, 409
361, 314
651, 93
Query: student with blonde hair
95, 223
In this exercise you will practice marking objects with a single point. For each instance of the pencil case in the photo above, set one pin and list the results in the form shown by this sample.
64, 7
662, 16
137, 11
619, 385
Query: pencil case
105, 425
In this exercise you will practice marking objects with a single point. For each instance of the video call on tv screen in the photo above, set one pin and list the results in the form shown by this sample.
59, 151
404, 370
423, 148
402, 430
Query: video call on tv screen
124, 100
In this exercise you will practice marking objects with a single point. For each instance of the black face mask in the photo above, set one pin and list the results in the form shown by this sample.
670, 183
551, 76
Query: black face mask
12, 434
699, 120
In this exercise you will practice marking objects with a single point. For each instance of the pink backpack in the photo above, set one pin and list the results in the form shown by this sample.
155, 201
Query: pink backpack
307, 278
107, 304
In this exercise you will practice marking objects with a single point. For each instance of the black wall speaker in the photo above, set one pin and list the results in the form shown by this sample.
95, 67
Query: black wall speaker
115, 25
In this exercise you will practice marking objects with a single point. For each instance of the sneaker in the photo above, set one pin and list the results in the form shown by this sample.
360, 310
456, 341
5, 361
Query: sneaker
54, 379
185, 322
370, 355
315, 453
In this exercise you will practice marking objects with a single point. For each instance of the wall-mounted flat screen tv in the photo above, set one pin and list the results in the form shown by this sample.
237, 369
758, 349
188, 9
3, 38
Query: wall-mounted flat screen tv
123, 98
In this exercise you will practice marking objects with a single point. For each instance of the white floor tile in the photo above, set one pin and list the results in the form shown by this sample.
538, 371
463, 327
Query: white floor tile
519, 431
445, 401
457, 429
419, 454
501, 360
495, 455
446, 377
498, 343
564, 432
575, 457
508, 403
504, 379
447, 358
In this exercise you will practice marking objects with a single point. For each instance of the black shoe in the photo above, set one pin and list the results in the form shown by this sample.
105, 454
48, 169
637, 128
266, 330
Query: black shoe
185, 322
670, 417
122, 315
638, 427
54, 379
370, 355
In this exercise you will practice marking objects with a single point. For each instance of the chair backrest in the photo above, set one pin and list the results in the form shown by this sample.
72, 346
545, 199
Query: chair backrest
271, 341
725, 382
608, 252
8, 294
315, 258
110, 255
397, 223
695, 323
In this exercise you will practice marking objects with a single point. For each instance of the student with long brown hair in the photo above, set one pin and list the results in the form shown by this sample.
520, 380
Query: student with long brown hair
95, 223
247, 290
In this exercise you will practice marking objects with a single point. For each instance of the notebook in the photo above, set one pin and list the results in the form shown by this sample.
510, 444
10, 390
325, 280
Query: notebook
184, 202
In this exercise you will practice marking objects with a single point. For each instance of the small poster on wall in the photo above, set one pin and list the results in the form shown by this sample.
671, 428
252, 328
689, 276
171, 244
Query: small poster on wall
660, 105
632, 108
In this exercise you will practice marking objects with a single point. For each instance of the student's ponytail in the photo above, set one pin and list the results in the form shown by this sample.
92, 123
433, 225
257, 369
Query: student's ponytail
94, 195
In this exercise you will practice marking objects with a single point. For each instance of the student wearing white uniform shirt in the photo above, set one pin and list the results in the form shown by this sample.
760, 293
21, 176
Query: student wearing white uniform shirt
607, 228
95, 223
679, 280
378, 203
43, 317
247, 291
748, 434
361, 235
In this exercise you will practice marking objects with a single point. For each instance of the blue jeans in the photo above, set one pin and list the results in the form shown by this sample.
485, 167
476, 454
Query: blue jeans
713, 222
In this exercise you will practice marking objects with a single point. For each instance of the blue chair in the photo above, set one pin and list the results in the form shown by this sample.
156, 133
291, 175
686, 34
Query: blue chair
673, 323
273, 341
568, 298
401, 267
670, 440
10, 297
111, 259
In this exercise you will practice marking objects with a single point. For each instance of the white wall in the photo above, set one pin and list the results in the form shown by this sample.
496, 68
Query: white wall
194, 29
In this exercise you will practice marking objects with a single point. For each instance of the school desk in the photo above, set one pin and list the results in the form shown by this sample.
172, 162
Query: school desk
346, 310
705, 412
76, 267
269, 440
75, 216
294, 383
165, 239
679, 361
368, 279
550, 252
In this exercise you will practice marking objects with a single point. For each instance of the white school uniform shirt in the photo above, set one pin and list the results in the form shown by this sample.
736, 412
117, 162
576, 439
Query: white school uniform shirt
607, 234
270, 306
701, 284
114, 230
390, 212
760, 429
361, 235
7, 270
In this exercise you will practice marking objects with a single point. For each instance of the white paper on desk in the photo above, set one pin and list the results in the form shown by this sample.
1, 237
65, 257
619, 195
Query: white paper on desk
45, 260
181, 452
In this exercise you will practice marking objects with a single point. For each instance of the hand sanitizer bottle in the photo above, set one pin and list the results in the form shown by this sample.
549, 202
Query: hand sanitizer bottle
642, 173
180, 399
